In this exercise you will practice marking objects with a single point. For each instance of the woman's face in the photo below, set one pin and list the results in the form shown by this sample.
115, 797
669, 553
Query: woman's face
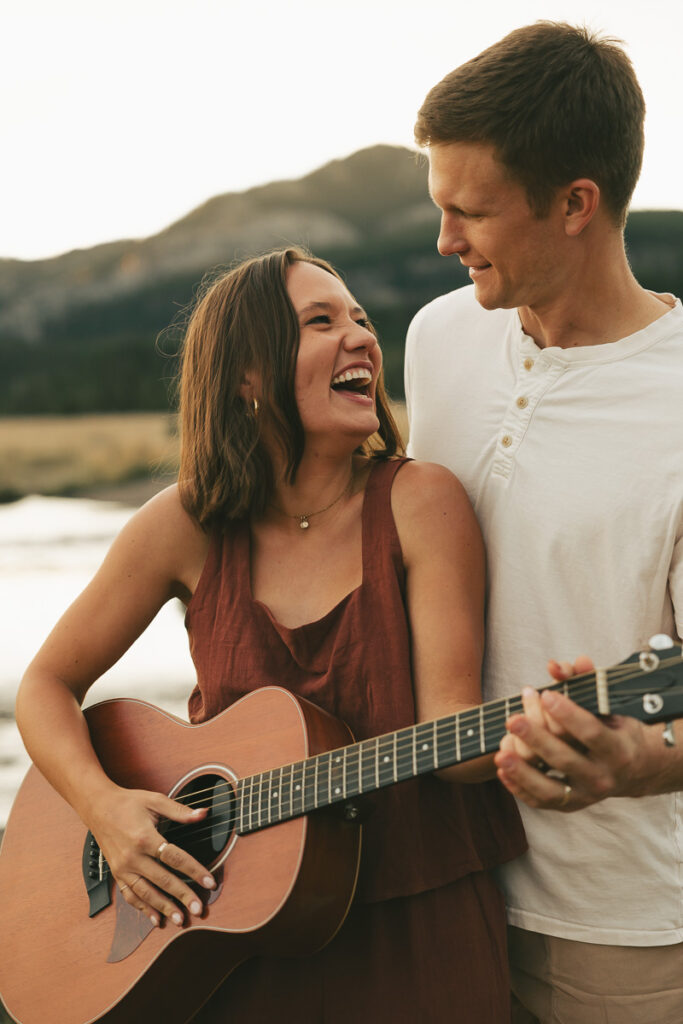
339, 359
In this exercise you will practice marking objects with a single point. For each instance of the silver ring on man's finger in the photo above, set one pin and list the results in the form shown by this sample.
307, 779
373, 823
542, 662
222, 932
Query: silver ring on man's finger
162, 847
565, 796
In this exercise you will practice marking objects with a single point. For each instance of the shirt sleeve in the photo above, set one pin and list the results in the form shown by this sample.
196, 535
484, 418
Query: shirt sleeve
676, 584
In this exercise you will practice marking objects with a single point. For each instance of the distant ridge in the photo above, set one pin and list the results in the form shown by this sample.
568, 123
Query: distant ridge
78, 331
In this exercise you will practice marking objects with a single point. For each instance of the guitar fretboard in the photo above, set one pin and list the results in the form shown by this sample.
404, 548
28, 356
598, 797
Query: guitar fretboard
338, 776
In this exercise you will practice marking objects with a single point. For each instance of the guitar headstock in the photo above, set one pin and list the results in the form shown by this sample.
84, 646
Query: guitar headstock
649, 684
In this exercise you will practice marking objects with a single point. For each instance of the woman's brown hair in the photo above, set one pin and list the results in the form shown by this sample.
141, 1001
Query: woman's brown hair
244, 323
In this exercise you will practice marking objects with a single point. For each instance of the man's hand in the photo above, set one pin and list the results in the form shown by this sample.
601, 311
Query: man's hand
589, 758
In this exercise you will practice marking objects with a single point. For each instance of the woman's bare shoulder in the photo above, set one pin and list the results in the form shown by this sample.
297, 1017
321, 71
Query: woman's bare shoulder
166, 532
420, 484
431, 509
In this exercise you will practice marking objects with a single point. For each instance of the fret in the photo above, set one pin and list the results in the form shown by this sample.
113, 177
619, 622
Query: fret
424, 748
404, 756
395, 758
260, 802
241, 791
336, 776
253, 791
482, 731
469, 739
308, 784
458, 756
377, 764
514, 706
322, 783
367, 767
344, 772
297, 796
446, 740
352, 773
286, 792
269, 799
386, 760
278, 803
435, 741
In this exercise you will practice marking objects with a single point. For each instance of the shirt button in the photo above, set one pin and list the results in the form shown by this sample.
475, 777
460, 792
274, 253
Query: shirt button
528, 363
506, 441
522, 402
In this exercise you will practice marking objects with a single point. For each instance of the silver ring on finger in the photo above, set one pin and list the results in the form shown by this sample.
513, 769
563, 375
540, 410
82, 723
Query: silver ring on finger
565, 796
122, 887
162, 847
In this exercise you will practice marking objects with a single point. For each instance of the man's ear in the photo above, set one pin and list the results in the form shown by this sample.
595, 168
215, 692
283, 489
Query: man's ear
581, 202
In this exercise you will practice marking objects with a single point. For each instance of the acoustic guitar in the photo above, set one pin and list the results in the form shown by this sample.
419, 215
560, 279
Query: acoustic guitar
279, 778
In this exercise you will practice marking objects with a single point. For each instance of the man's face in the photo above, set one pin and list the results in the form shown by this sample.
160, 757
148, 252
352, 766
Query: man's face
515, 259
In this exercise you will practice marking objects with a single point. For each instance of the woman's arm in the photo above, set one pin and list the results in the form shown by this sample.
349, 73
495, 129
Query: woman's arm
443, 554
158, 555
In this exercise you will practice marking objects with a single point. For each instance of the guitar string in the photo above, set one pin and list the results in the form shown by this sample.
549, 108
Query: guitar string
371, 745
493, 713
260, 812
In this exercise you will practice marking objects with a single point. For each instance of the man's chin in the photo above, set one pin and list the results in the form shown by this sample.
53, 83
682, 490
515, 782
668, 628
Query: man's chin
489, 298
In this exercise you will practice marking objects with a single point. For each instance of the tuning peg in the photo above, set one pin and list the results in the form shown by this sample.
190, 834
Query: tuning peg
660, 642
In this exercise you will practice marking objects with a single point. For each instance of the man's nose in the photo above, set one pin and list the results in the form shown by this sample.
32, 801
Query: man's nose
451, 238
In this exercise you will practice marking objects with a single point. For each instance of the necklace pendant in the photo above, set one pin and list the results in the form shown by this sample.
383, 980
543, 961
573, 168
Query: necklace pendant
303, 522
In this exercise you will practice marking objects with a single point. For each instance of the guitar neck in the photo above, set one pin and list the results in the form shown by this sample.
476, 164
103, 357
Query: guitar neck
338, 776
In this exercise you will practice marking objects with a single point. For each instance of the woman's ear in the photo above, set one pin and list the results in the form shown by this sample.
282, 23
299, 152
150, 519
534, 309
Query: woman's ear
248, 388
249, 391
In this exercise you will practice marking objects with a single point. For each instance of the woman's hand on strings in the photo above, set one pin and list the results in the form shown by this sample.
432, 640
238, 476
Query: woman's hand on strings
145, 864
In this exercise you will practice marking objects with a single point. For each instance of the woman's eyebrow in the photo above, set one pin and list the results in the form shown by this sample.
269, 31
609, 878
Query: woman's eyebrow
325, 307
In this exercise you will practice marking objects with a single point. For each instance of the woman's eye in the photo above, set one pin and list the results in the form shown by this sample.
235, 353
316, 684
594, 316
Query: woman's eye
323, 318
363, 322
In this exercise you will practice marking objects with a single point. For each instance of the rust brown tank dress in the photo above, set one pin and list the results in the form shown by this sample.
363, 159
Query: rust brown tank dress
425, 938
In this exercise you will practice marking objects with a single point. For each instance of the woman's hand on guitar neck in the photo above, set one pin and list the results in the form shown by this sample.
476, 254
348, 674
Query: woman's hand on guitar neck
558, 756
145, 864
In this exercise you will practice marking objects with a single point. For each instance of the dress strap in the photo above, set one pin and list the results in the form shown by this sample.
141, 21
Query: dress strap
380, 537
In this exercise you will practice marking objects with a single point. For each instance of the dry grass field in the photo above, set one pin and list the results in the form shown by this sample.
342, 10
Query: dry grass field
72, 455
124, 456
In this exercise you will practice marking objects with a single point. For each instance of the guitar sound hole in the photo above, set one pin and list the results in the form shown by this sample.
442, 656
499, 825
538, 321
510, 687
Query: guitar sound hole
205, 840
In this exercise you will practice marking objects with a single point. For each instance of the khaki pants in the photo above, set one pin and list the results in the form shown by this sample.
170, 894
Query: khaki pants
559, 981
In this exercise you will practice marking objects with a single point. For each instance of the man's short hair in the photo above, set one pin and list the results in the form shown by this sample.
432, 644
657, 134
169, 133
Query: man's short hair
557, 102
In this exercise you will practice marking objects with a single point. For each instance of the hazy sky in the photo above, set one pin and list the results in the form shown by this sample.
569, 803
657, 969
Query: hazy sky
119, 117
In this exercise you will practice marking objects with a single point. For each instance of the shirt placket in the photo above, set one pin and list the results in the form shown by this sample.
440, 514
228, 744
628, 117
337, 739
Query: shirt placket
536, 372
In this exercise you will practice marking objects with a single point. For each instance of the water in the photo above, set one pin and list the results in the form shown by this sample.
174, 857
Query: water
49, 549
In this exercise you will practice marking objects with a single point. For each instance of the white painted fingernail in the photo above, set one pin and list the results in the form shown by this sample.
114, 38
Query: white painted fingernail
195, 907
209, 882
177, 918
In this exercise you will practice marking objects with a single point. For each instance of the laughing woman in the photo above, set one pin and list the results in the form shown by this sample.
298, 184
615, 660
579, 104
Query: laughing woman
312, 556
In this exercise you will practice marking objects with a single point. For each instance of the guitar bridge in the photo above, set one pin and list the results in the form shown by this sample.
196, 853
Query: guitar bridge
96, 876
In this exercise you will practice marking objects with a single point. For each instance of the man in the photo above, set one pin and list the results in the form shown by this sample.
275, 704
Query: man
554, 389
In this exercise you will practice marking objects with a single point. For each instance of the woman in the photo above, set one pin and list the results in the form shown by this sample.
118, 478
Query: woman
310, 558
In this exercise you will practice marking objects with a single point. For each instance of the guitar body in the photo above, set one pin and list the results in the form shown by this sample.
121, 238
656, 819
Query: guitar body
284, 889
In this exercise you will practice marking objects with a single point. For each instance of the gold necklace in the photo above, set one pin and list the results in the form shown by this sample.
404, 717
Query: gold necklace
303, 517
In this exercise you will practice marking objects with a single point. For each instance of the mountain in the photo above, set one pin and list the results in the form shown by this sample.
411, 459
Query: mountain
89, 330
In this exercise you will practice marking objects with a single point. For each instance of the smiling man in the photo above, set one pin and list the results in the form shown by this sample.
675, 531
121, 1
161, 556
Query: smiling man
553, 387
